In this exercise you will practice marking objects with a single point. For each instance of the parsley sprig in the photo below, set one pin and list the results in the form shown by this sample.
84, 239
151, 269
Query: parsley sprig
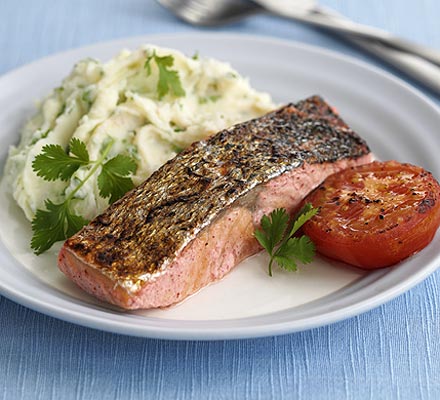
169, 80
276, 235
55, 163
58, 221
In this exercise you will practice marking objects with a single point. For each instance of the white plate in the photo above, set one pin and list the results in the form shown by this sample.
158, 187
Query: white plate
397, 121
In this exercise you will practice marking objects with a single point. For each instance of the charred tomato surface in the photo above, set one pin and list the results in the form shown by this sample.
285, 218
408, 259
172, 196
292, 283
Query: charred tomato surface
375, 215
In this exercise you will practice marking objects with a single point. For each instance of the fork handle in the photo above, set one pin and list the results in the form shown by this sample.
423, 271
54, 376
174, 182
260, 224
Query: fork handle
416, 67
412, 65
319, 17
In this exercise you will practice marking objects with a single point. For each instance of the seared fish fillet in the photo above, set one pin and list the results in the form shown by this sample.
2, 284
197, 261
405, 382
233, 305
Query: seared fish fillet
193, 220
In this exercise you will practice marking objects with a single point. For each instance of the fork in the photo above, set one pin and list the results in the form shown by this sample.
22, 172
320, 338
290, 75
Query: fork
418, 62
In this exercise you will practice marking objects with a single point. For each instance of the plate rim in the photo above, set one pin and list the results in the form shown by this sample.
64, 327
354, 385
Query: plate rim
216, 332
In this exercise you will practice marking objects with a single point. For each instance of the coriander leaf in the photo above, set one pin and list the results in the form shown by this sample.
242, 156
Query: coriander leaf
272, 229
264, 240
147, 64
304, 249
279, 242
113, 181
113, 186
74, 223
296, 248
285, 261
306, 212
47, 227
55, 223
169, 80
121, 165
79, 149
277, 226
54, 163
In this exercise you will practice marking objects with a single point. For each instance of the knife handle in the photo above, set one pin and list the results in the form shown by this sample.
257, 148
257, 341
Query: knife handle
414, 66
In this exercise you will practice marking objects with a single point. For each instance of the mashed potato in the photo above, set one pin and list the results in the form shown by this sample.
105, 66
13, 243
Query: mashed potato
119, 101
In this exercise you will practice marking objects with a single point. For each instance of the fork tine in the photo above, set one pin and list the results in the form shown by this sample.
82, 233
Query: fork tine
210, 12
192, 11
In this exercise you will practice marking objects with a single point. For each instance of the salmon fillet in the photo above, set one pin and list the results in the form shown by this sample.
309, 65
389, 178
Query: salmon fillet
193, 220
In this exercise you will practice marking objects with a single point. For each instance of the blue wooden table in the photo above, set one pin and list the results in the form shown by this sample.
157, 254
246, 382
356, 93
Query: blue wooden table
392, 352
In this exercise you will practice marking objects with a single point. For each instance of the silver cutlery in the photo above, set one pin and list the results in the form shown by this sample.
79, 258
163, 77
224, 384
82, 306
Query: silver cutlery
419, 62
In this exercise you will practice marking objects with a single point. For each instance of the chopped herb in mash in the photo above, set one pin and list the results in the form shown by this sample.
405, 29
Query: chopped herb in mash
168, 81
144, 106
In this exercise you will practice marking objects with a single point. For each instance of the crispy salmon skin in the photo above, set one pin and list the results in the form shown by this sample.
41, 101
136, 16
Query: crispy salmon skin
193, 220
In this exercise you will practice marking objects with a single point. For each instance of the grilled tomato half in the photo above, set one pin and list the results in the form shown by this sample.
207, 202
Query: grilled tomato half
375, 215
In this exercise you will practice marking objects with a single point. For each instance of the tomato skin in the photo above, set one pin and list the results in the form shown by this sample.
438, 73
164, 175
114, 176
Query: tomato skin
375, 215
